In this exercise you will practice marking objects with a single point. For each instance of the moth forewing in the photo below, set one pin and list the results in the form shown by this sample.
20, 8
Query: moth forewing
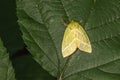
75, 37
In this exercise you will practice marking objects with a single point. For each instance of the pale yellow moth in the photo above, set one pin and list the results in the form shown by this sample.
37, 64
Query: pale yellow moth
75, 37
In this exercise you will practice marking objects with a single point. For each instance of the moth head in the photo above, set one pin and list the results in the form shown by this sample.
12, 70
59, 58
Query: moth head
73, 25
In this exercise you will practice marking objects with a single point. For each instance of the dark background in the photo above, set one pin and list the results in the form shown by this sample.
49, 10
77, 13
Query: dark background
25, 67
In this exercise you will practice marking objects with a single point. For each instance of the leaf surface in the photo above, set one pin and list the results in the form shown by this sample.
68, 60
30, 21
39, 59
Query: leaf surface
43, 36
6, 69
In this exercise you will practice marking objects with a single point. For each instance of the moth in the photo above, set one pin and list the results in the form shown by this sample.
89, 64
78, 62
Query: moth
75, 38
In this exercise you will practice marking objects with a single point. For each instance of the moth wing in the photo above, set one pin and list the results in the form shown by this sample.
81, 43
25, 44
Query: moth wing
68, 43
83, 40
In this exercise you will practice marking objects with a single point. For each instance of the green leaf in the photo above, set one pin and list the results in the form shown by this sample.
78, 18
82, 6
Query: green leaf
6, 70
27, 69
43, 36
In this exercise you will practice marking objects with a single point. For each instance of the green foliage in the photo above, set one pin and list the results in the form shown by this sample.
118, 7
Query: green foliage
6, 70
43, 27
42, 23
